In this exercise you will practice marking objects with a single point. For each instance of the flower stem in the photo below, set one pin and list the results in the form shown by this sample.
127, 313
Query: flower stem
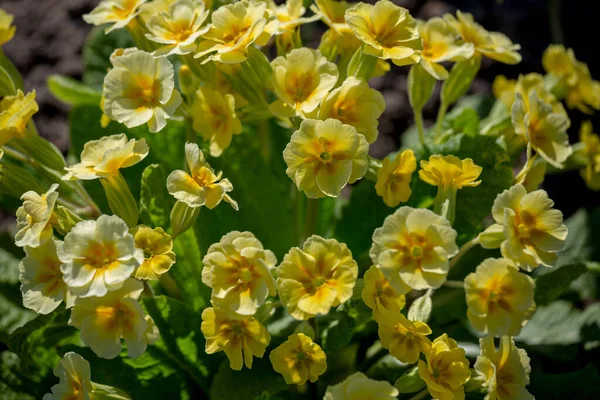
455, 284
462, 251
440, 118
422, 394
419, 123
312, 214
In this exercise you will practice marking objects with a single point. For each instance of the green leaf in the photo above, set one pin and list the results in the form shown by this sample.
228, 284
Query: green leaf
155, 201
337, 333
463, 120
578, 246
583, 384
410, 381
246, 384
420, 309
459, 80
96, 53
555, 324
10, 68
14, 384
72, 92
552, 285
7, 86
12, 312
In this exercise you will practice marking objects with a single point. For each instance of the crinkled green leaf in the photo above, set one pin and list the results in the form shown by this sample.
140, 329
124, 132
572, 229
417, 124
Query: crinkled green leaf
552, 285
247, 384
155, 201
337, 332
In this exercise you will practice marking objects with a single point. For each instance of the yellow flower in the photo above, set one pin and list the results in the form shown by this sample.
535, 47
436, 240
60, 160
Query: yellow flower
240, 339
34, 217
214, 118
499, 297
323, 156
446, 370
140, 89
412, 249
440, 44
234, 28
157, 246
591, 149
289, 15
504, 90
178, 29
301, 80
493, 45
299, 359
505, 371
332, 13
379, 295
394, 176
405, 339
98, 256
75, 382
201, 187
15, 113
560, 63
450, 172
585, 93
389, 32
358, 387
354, 103
317, 277
238, 269
7, 29
104, 157
116, 12
528, 230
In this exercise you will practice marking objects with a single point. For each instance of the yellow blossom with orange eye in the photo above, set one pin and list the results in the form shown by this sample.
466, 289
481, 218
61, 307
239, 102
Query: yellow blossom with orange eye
322, 157
499, 297
591, 150
356, 104
379, 295
35, 217
394, 176
505, 371
290, 15
412, 249
339, 38
75, 379
235, 27
239, 271
299, 359
528, 230
388, 32
317, 277
358, 387
214, 117
301, 80
118, 13
405, 339
200, 187
240, 338
15, 113
157, 246
7, 29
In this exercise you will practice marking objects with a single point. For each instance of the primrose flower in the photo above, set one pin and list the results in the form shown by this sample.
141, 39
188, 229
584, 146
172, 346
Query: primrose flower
118, 13
505, 371
301, 80
379, 295
405, 339
585, 94
504, 90
355, 103
528, 230
15, 113
394, 176
238, 269
7, 29
289, 15
98, 256
389, 32
103, 321
299, 359
240, 339
317, 277
42, 282
412, 249
358, 387
74, 376
214, 118
591, 150
178, 29
201, 187
234, 28
499, 297
140, 89
339, 36
323, 156
157, 247
35, 217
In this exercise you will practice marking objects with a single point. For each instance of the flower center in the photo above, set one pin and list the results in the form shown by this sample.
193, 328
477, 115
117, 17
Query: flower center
237, 328
245, 275
325, 156
416, 251
436, 372
148, 253
101, 255
318, 282
300, 356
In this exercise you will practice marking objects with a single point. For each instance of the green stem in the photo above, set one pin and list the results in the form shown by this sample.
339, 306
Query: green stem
17, 155
419, 123
312, 213
440, 118
455, 284
421, 395
555, 26
298, 210
462, 251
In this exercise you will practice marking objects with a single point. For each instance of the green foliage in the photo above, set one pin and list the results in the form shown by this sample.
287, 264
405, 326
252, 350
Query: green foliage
462, 120
583, 384
73, 92
96, 52
550, 286
420, 309
259, 382
337, 333
155, 201
410, 381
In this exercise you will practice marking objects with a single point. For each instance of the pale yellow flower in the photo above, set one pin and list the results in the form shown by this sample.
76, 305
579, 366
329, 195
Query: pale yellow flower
239, 271
201, 187
585, 94
412, 249
505, 371
35, 217
157, 246
394, 176
450, 172
290, 15
389, 32
405, 339
299, 359
332, 13
214, 117
15, 113
7, 29
560, 62
358, 387
446, 369
98, 256
118, 13
322, 157
499, 297
317, 277
379, 295
591, 149
504, 90
240, 339
356, 104
528, 230
75, 382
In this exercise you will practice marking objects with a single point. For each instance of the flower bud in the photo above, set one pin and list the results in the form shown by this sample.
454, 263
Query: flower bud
460, 79
420, 87
65, 219
182, 218
305, 328
187, 81
121, 201
256, 70
362, 65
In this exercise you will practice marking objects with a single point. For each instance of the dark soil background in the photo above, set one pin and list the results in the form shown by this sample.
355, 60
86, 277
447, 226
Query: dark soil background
50, 34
